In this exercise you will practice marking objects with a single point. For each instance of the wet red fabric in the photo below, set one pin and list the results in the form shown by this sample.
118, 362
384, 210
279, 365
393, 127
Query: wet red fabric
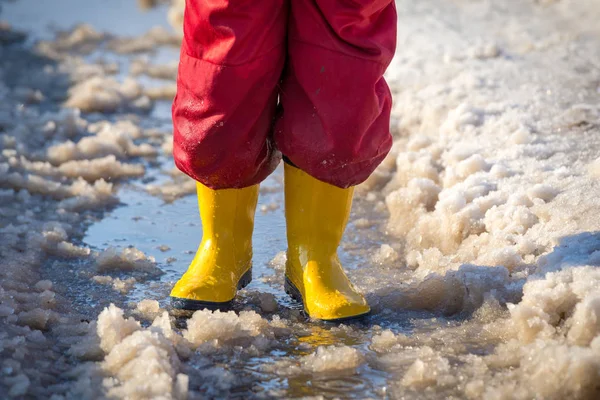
321, 60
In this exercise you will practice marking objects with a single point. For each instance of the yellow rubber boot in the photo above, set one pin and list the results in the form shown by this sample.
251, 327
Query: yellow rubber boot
223, 262
316, 216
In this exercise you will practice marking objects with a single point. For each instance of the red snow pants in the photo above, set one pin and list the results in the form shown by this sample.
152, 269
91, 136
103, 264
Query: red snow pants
302, 78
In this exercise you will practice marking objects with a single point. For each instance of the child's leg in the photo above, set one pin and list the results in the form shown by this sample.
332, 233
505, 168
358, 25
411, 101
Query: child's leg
231, 61
335, 129
336, 104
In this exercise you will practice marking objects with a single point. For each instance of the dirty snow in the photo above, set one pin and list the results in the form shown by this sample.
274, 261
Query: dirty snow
477, 240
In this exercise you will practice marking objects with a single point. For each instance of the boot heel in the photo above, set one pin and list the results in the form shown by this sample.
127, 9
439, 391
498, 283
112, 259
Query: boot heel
292, 291
245, 279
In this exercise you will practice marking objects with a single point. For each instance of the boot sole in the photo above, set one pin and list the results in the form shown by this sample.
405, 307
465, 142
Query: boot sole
295, 294
188, 304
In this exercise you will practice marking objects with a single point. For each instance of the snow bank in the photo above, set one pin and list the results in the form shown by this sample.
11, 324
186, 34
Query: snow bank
459, 193
493, 204
551, 368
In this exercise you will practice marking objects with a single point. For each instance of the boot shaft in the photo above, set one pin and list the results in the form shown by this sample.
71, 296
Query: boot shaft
316, 214
223, 262
228, 216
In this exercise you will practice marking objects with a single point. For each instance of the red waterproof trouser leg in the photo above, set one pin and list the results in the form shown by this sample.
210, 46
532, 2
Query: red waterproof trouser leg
336, 105
231, 61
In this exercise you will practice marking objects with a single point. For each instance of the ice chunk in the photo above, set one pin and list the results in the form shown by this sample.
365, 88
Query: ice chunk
541, 191
385, 255
223, 329
134, 353
594, 168
560, 304
433, 372
105, 94
127, 259
113, 327
37, 318
332, 359
110, 140
120, 285
148, 309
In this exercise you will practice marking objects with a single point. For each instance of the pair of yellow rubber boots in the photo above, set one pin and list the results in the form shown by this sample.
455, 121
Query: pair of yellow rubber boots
316, 216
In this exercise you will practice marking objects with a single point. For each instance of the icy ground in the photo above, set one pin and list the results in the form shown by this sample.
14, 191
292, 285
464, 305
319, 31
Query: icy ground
477, 242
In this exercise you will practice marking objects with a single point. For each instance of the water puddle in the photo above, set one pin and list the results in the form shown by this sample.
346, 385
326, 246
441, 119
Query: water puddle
171, 232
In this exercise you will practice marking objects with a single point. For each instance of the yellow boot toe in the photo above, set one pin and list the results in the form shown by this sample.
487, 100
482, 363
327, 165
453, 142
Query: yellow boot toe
326, 296
196, 292
330, 304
